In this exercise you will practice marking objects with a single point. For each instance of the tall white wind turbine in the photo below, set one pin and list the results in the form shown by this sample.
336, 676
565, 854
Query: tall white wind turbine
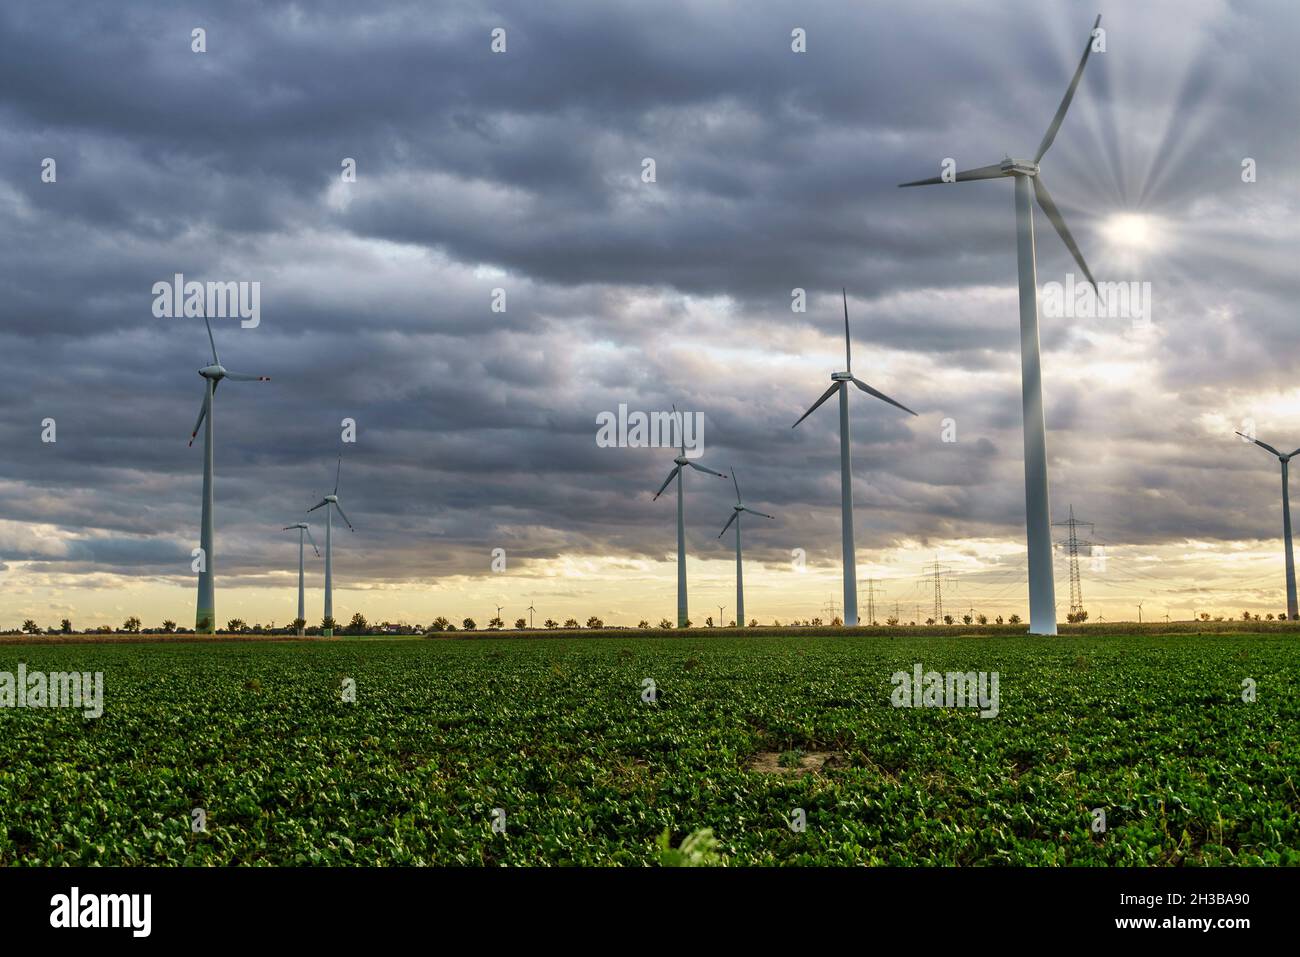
1291, 609
205, 612
1038, 522
679, 472
303, 529
840, 383
330, 503
740, 578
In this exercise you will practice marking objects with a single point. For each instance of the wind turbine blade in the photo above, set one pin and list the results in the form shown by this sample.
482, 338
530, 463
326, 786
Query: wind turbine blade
737, 484
343, 515
763, 514
318, 505
337, 472
245, 377
1054, 214
848, 356
728, 525
313, 542
879, 395
1050, 135
203, 411
1263, 445
1293, 453
212, 342
701, 468
825, 395
983, 172
671, 475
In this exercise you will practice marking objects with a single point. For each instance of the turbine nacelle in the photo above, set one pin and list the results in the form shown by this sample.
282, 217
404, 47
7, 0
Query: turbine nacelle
842, 376
1016, 167
214, 372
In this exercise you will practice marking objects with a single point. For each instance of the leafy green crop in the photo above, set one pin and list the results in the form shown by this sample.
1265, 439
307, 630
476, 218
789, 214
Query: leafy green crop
557, 735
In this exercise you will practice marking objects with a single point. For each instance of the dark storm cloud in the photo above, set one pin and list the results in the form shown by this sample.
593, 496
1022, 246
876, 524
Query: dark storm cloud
522, 171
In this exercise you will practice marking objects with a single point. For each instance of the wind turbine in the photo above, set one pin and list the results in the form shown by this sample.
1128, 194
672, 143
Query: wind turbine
205, 613
331, 500
303, 528
531, 609
679, 473
840, 383
1291, 609
1038, 524
735, 517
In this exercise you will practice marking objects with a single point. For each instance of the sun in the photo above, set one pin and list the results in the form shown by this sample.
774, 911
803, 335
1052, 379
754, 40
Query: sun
1133, 232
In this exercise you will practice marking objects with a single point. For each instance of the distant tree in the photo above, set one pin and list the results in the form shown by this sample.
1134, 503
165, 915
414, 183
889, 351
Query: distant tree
570, 623
439, 624
495, 623
1204, 616
1014, 620
328, 624
998, 619
947, 619
688, 623
236, 625
929, 621
643, 624
1218, 618
451, 626
983, 619
65, 626
594, 622
1245, 616
299, 625
892, 621
1269, 616
665, 623
708, 622
776, 622
168, 627
31, 627
837, 621
521, 623
753, 623
358, 625
732, 623
966, 619
131, 625
469, 624
816, 622
1282, 616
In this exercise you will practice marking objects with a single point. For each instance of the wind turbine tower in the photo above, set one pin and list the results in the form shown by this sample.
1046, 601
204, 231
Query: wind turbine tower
1030, 187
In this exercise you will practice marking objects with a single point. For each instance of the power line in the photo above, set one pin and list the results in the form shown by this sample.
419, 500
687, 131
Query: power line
937, 574
1072, 543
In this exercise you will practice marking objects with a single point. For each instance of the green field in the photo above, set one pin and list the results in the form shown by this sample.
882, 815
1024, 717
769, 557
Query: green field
554, 731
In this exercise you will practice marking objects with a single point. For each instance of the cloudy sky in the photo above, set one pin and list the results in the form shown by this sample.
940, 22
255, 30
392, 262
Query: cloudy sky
522, 170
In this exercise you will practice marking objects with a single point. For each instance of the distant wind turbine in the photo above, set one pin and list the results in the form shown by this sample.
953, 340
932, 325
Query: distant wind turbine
331, 500
1291, 609
679, 473
205, 613
1038, 523
531, 609
840, 383
303, 529
740, 578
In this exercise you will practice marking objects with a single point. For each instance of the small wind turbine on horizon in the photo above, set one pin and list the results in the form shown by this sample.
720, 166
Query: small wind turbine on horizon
840, 383
679, 473
303, 528
205, 612
329, 503
1042, 587
1291, 609
740, 578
